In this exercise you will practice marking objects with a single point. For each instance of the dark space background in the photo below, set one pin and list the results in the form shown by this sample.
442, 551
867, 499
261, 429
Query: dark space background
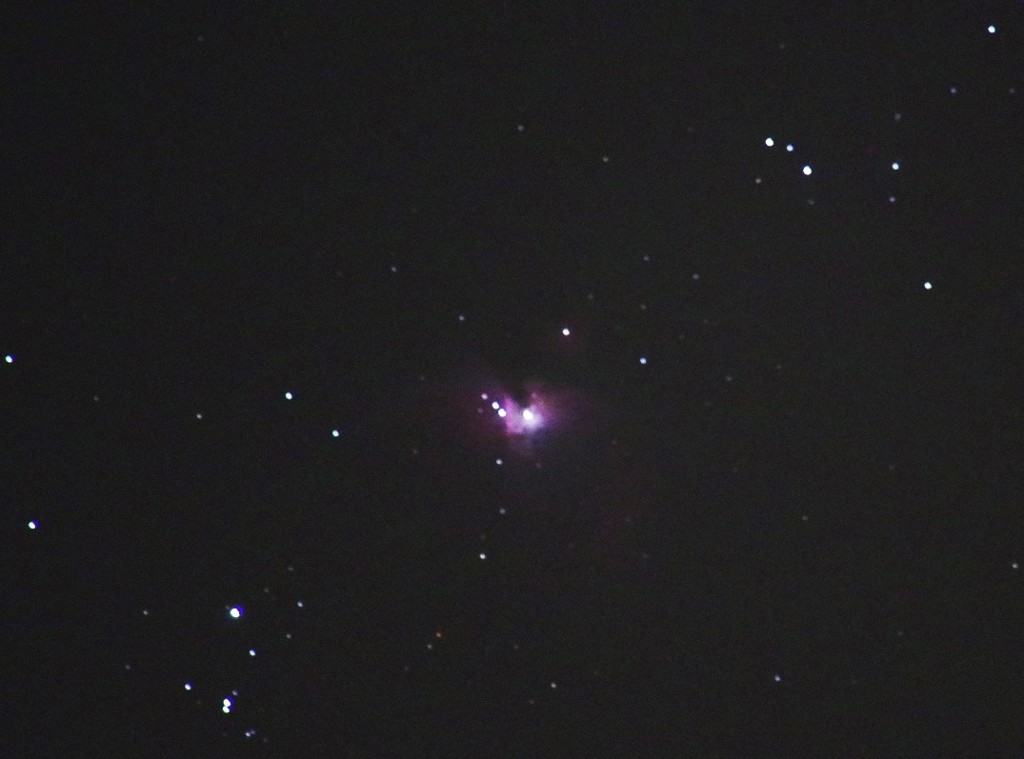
259, 264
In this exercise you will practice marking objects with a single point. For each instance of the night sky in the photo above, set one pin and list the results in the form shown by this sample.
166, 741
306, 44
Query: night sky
409, 381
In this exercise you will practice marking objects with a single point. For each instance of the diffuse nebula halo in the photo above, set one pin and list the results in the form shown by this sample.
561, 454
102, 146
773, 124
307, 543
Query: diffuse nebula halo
496, 413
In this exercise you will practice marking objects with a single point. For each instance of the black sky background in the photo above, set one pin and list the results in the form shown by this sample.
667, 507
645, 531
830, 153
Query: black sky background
794, 531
